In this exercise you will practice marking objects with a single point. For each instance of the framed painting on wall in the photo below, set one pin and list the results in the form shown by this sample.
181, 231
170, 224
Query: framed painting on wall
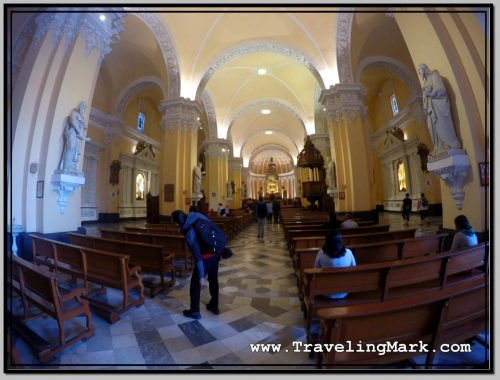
39, 189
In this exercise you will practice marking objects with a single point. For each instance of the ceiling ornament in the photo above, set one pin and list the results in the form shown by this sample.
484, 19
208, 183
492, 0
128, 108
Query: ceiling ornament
134, 88
164, 39
210, 110
344, 27
259, 46
97, 34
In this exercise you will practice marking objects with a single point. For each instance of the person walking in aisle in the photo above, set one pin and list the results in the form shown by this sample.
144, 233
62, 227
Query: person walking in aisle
406, 209
261, 211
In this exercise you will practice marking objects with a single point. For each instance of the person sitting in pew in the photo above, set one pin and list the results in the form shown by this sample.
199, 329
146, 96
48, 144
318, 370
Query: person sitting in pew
334, 255
349, 223
465, 235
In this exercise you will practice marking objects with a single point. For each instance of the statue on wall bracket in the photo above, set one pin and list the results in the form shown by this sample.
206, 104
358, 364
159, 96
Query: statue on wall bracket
447, 160
67, 178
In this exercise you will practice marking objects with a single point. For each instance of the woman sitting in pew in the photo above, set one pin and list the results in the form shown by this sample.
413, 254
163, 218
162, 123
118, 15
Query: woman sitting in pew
334, 255
465, 235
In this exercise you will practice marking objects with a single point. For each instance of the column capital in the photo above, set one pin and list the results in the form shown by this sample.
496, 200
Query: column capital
97, 33
321, 141
235, 162
343, 100
217, 147
180, 114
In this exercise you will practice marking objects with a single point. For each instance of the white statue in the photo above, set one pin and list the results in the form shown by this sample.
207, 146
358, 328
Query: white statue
330, 175
197, 179
437, 109
74, 132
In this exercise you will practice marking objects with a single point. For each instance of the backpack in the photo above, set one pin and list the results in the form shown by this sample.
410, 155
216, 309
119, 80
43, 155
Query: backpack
425, 202
210, 237
261, 210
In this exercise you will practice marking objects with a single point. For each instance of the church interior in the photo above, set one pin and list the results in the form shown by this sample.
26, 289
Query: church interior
118, 116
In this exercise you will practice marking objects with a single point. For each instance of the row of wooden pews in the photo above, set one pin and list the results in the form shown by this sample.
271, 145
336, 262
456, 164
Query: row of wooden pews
395, 271
40, 288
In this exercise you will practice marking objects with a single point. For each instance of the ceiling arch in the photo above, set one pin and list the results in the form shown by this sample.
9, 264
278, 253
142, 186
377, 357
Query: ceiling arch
134, 88
392, 65
160, 30
256, 46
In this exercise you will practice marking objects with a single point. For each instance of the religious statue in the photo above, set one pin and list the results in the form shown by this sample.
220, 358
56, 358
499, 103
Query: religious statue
74, 132
233, 190
197, 179
229, 189
437, 109
114, 172
330, 175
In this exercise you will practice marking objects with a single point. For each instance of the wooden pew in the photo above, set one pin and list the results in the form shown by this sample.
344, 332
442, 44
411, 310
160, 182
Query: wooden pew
150, 257
447, 315
147, 230
100, 267
386, 280
175, 244
39, 287
319, 240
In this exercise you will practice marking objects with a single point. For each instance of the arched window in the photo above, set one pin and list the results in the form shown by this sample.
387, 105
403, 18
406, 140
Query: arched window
139, 187
394, 105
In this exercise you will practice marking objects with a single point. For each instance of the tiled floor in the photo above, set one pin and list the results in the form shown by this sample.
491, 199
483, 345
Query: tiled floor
258, 304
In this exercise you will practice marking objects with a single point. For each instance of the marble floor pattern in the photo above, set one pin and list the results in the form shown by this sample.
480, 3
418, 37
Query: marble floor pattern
258, 304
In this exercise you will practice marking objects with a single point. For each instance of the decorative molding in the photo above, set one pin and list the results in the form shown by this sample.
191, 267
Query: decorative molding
393, 66
19, 50
164, 39
453, 167
139, 162
258, 46
113, 126
344, 27
96, 33
210, 110
134, 88
180, 114
216, 147
321, 141
344, 100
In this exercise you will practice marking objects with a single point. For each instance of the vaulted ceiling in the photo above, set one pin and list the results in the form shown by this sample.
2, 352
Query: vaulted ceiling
258, 72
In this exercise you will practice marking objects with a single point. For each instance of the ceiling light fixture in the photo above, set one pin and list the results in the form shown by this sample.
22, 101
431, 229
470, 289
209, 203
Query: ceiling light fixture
268, 132
262, 71
265, 112
102, 17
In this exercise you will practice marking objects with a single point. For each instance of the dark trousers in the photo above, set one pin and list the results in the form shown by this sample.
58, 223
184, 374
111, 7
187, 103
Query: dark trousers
406, 215
211, 266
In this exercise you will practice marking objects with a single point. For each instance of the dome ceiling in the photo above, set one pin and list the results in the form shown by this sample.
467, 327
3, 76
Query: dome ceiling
259, 162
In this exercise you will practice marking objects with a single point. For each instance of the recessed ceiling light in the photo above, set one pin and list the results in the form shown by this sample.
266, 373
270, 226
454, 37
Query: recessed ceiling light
262, 71
268, 132
102, 17
265, 112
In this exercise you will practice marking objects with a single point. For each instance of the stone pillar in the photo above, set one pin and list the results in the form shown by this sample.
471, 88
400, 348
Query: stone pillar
217, 152
350, 148
58, 72
234, 170
180, 123
322, 142
89, 209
